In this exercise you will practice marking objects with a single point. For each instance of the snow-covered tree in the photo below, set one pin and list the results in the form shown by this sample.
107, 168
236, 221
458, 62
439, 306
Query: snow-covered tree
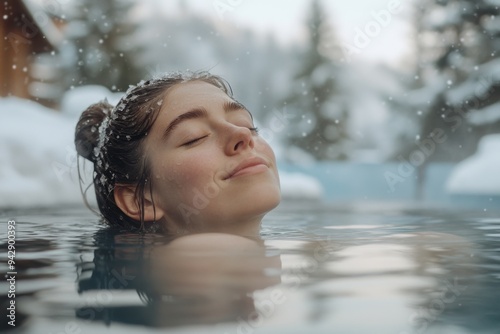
463, 42
454, 98
319, 125
98, 49
255, 68
419, 87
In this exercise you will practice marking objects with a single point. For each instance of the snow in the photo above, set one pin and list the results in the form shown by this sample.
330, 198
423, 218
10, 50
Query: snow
479, 174
363, 90
38, 159
487, 115
44, 22
422, 97
300, 186
493, 2
440, 18
466, 91
492, 24
478, 83
37, 156
75, 101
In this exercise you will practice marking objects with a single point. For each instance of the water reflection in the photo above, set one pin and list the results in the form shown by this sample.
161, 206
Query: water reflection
397, 283
310, 273
33, 273
195, 279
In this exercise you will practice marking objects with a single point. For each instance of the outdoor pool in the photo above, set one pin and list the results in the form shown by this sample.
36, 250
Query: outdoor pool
318, 268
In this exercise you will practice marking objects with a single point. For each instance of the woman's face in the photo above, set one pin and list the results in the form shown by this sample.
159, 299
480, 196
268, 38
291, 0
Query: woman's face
208, 165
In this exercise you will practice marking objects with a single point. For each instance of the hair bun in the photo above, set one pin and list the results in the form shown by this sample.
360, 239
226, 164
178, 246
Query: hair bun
87, 128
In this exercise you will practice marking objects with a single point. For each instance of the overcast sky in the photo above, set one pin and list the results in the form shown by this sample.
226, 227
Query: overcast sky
389, 43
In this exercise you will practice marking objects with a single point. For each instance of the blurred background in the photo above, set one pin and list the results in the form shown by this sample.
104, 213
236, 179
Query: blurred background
365, 100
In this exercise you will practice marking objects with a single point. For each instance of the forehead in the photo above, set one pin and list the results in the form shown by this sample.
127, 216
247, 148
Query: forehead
194, 94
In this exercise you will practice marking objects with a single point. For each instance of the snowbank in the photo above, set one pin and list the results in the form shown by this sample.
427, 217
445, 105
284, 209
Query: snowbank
37, 152
38, 159
37, 156
300, 186
479, 174
75, 101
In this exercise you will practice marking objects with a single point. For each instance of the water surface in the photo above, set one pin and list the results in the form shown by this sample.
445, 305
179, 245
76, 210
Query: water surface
316, 269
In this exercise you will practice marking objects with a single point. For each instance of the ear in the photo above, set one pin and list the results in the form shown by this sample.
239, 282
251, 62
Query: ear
127, 200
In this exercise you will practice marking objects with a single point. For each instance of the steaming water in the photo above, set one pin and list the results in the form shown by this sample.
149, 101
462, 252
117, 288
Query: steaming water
365, 269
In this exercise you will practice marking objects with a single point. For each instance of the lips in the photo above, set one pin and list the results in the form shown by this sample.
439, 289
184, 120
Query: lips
248, 166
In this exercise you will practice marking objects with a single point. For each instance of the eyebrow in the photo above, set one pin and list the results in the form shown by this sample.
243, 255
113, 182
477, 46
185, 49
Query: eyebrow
201, 112
235, 105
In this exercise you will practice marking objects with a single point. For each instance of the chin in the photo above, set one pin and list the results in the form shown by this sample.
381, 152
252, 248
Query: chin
249, 204
264, 200
268, 195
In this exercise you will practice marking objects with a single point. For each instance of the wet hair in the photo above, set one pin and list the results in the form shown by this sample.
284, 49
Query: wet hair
112, 139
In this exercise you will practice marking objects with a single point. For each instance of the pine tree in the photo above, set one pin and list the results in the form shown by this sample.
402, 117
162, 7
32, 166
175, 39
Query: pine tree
99, 47
465, 56
319, 123
457, 49
193, 41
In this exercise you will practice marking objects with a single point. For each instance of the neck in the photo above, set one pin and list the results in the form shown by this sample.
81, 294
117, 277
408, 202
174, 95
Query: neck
246, 228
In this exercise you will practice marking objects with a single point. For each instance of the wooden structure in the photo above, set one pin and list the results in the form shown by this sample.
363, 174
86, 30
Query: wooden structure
26, 32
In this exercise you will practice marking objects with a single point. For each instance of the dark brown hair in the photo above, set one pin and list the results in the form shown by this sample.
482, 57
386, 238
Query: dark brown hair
112, 138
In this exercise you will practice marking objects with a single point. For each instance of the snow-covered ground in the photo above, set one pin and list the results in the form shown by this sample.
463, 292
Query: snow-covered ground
37, 156
479, 174
38, 159
300, 186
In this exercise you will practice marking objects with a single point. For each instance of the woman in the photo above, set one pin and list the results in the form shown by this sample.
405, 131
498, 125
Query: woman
180, 154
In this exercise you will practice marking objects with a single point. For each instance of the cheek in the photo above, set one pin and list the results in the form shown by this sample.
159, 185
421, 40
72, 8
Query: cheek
184, 172
266, 149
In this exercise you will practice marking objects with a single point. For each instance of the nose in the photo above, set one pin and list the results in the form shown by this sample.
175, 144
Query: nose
238, 139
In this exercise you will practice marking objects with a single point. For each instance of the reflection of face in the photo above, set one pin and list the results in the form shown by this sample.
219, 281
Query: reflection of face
209, 277
210, 168
212, 264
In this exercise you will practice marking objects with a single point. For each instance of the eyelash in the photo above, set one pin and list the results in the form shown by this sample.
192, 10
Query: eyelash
191, 142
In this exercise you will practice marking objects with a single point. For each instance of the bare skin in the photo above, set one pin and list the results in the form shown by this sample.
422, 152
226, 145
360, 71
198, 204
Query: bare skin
210, 170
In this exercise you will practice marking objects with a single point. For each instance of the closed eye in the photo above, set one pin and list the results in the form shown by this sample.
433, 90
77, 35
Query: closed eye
254, 130
192, 142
